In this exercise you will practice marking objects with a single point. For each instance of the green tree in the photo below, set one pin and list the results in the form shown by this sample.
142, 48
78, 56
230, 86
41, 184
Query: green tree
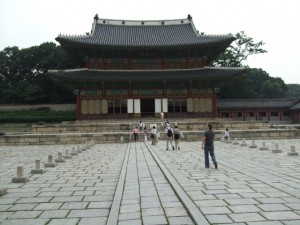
239, 51
254, 83
23, 74
271, 90
293, 91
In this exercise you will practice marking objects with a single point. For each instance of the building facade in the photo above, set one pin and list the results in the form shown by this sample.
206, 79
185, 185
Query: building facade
274, 110
132, 69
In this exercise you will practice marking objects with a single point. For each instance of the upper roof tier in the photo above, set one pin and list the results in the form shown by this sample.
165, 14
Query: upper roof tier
144, 34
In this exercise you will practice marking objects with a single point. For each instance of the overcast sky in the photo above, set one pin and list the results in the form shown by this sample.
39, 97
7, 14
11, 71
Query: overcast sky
25, 23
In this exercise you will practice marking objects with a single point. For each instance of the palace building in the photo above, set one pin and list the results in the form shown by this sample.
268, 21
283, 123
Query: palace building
132, 69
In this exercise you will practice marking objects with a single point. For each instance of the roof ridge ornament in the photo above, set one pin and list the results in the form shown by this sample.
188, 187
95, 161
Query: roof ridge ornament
96, 18
189, 17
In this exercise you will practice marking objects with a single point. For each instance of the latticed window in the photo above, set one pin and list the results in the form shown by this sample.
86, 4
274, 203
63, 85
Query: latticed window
117, 106
177, 105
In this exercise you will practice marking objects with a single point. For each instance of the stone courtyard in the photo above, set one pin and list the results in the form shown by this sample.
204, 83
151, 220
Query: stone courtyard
137, 183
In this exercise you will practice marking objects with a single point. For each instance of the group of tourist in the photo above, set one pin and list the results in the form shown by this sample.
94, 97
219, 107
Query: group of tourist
171, 134
175, 134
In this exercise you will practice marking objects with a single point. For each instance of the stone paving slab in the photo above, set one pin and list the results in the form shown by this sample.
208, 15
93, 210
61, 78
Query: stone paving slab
250, 187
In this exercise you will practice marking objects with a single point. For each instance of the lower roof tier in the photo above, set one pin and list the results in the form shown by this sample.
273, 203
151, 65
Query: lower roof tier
79, 78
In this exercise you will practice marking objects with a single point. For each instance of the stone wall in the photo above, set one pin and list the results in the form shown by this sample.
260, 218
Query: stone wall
184, 126
116, 137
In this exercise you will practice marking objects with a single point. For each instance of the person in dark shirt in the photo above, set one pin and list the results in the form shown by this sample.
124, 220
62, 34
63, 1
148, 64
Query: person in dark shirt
208, 146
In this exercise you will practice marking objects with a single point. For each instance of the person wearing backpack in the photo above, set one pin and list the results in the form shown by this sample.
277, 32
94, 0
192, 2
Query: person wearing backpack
169, 135
177, 136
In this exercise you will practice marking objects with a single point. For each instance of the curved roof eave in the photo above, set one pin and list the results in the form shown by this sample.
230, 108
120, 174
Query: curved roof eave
144, 34
86, 75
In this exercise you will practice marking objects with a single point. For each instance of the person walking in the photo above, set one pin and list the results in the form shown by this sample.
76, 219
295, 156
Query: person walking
169, 135
208, 146
136, 133
153, 135
145, 134
177, 136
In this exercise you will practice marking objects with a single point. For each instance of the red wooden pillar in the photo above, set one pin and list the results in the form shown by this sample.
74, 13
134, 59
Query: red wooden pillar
78, 107
280, 115
214, 103
244, 115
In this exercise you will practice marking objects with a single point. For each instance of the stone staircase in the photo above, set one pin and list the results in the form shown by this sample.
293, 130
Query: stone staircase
114, 131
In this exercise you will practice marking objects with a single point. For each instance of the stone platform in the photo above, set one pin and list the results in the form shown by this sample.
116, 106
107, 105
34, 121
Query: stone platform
117, 137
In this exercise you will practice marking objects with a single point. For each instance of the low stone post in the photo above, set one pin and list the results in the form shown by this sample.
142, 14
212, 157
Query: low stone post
263, 147
73, 153
243, 142
235, 142
67, 155
3, 191
122, 139
50, 162
37, 169
60, 159
20, 176
276, 150
293, 152
79, 149
253, 145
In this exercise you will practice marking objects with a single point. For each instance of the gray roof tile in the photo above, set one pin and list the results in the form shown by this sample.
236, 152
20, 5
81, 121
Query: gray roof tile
206, 73
224, 104
114, 33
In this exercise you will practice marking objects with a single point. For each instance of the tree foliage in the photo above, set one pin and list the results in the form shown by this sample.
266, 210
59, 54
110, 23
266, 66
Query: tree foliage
239, 51
22, 74
254, 83
293, 91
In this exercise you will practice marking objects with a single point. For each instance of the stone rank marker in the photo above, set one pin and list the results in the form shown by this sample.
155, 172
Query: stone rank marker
235, 142
37, 169
243, 142
20, 176
253, 145
73, 153
50, 162
293, 152
60, 158
263, 147
276, 150
67, 155
3, 191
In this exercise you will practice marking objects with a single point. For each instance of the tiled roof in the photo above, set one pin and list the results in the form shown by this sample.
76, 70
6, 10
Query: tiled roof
223, 104
88, 75
296, 106
168, 33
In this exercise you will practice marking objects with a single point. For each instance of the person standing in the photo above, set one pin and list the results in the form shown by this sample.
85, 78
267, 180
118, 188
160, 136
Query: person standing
208, 146
169, 135
141, 125
226, 134
162, 116
177, 136
136, 133
153, 135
